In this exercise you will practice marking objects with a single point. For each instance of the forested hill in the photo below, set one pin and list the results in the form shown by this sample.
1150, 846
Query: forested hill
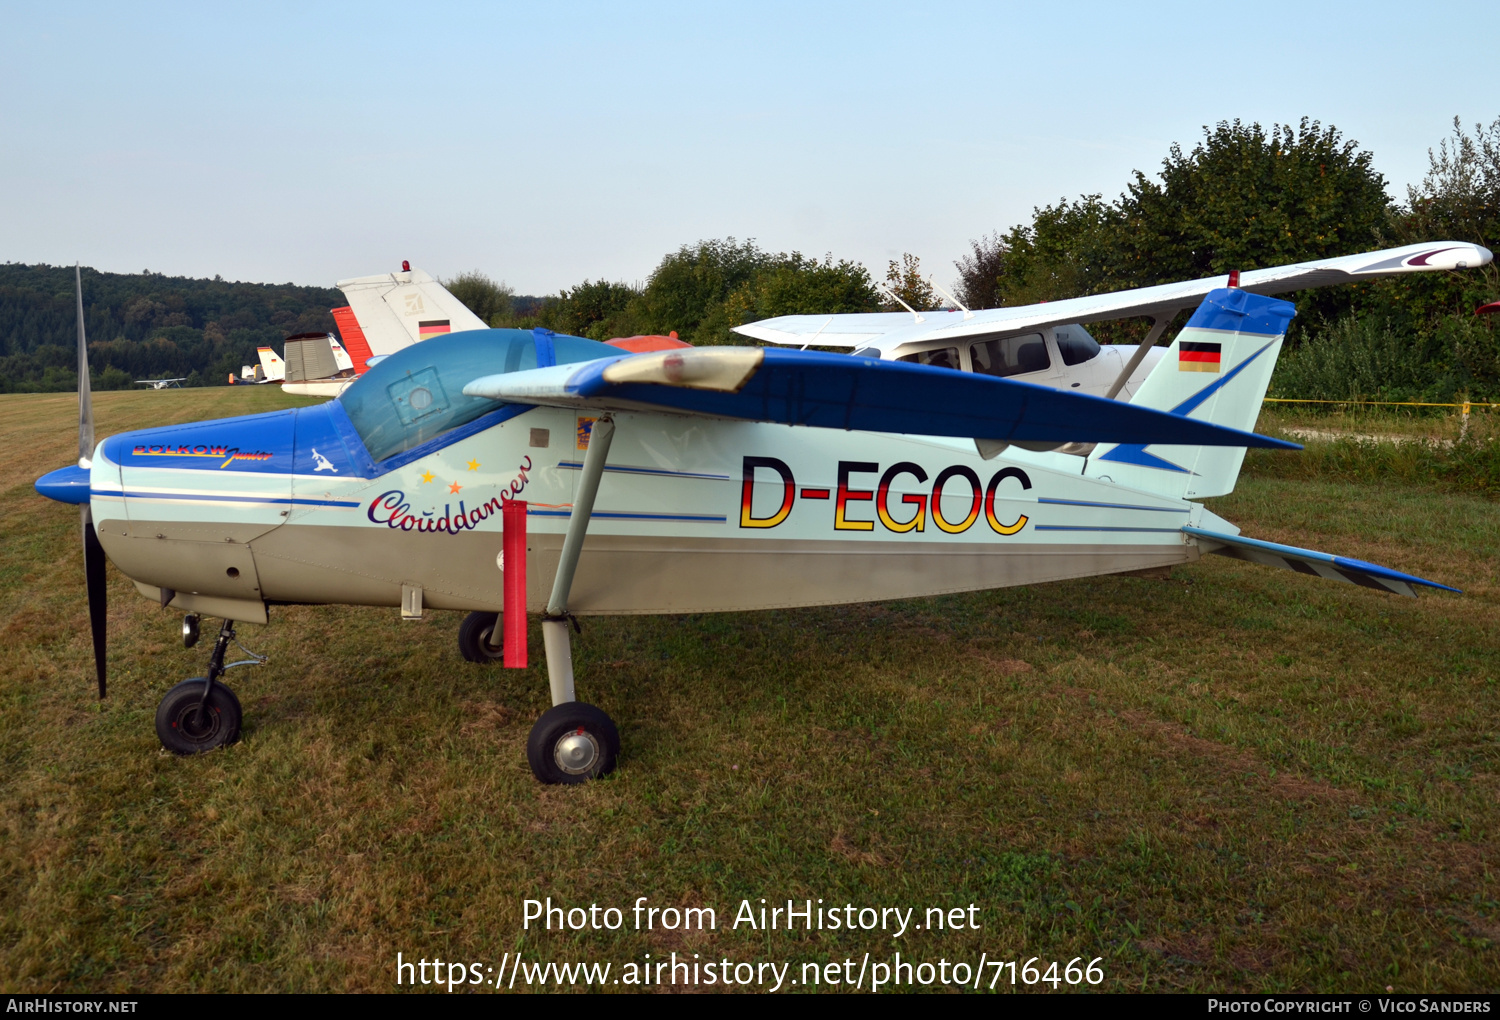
144, 326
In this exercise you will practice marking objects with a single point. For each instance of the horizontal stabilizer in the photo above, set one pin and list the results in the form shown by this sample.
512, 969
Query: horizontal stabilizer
1307, 561
842, 392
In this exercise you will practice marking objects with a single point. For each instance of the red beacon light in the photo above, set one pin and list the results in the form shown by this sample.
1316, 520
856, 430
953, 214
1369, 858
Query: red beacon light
405, 266
1234, 278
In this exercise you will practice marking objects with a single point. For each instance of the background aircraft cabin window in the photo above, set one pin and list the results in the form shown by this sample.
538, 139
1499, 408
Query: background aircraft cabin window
417, 393
942, 357
1010, 355
1075, 345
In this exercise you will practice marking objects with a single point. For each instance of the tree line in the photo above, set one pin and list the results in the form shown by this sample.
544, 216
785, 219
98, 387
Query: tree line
1242, 198
1246, 198
143, 326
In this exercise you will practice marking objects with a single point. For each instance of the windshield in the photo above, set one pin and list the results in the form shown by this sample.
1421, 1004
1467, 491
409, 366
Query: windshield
1075, 344
417, 393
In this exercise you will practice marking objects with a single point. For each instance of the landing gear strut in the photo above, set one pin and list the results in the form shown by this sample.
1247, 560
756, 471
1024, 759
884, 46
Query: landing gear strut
573, 741
201, 714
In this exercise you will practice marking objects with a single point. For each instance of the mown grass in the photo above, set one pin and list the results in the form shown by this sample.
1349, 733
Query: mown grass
1236, 779
1422, 448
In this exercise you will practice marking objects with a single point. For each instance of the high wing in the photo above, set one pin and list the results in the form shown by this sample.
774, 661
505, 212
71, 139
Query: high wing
841, 392
887, 330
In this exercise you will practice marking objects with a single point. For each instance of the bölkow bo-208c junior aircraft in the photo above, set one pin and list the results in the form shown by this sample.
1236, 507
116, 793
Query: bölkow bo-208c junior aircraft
508, 472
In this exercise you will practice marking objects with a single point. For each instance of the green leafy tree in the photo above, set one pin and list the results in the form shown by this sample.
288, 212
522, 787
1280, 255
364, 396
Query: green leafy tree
790, 285
701, 291
598, 310
1458, 200
1246, 198
905, 280
979, 271
491, 301
1068, 250
212, 327
695, 279
1243, 198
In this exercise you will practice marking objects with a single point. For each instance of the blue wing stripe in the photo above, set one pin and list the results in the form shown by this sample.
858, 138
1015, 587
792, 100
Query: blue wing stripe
841, 391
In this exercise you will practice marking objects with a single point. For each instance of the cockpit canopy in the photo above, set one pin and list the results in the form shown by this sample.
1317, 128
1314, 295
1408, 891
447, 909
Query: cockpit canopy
417, 393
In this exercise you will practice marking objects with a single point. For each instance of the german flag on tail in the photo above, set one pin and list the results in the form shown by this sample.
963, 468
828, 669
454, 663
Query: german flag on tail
1198, 357
429, 328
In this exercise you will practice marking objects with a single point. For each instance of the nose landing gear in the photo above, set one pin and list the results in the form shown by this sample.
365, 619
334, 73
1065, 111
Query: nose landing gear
201, 714
188, 722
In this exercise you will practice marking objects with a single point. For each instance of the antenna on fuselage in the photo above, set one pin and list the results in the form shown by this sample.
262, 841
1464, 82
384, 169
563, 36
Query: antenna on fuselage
892, 295
934, 285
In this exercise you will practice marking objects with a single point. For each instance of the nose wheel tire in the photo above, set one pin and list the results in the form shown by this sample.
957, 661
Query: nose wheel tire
571, 743
480, 638
184, 729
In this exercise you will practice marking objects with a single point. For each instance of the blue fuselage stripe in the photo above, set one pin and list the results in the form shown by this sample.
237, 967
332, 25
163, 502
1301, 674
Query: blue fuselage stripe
207, 497
622, 516
1089, 527
574, 465
1115, 506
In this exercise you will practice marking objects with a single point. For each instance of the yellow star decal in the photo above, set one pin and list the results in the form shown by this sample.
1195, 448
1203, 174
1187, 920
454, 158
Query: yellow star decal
473, 465
454, 487
426, 477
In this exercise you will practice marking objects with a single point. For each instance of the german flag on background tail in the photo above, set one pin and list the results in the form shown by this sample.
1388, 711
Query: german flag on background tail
1198, 357
429, 328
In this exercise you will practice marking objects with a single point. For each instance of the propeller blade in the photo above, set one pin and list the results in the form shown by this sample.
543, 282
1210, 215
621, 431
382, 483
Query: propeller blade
93, 552
93, 572
85, 398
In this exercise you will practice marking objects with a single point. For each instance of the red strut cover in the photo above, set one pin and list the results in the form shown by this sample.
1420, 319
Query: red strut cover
514, 548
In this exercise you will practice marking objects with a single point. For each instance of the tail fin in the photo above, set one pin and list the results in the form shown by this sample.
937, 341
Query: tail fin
396, 310
1217, 370
341, 356
275, 368
359, 352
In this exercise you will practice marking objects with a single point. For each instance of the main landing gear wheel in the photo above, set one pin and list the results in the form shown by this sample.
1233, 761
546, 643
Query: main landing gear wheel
185, 729
475, 635
572, 742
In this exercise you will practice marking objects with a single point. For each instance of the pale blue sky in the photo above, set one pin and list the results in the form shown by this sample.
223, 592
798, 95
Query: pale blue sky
548, 143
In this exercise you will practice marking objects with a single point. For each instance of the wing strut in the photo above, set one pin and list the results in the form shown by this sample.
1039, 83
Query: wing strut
555, 620
1158, 327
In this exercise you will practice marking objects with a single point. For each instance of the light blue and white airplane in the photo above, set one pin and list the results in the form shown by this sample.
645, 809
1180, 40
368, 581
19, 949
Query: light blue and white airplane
508, 472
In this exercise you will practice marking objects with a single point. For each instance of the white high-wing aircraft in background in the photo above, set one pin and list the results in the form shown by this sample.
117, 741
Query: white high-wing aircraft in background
1047, 343
163, 384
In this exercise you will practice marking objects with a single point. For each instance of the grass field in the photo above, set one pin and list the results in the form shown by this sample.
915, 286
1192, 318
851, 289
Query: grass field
1237, 779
